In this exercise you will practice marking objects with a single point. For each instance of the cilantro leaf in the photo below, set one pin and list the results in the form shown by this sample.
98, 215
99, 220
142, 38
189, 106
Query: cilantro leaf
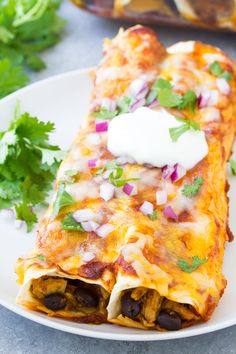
123, 104
189, 100
168, 98
69, 223
161, 84
233, 167
153, 216
24, 212
188, 124
112, 164
104, 113
215, 68
62, 199
26, 174
190, 190
11, 78
227, 75
122, 182
189, 268
26, 28
41, 258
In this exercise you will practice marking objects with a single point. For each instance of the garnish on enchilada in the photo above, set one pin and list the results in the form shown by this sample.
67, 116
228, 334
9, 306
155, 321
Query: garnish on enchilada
136, 229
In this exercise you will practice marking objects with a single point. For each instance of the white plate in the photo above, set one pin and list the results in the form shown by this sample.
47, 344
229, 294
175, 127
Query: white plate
64, 99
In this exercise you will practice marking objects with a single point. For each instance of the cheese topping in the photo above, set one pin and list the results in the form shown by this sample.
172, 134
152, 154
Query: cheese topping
144, 136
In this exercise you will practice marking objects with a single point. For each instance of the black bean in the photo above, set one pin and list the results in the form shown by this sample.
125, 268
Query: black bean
129, 307
170, 321
86, 297
55, 301
74, 282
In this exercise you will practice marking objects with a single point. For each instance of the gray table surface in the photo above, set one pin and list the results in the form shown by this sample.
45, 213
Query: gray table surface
81, 47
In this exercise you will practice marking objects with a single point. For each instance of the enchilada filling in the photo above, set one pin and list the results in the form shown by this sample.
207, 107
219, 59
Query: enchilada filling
152, 310
69, 295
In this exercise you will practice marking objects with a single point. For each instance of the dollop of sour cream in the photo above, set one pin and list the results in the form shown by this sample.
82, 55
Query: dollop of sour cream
144, 136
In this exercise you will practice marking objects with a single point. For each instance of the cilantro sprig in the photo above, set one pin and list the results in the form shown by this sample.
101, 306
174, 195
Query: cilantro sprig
28, 163
188, 124
116, 174
26, 29
190, 267
191, 190
63, 198
233, 167
69, 223
217, 70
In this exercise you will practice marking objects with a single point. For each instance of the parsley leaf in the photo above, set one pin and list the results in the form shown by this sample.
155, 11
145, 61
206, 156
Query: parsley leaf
26, 29
189, 268
188, 124
104, 113
62, 199
215, 68
190, 190
69, 223
24, 212
233, 167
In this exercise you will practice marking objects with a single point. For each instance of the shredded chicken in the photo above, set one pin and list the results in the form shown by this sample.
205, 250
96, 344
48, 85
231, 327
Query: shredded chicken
181, 309
48, 285
138, 293
151, 305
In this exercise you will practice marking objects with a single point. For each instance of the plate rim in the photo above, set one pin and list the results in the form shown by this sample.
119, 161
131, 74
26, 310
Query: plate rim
92, 333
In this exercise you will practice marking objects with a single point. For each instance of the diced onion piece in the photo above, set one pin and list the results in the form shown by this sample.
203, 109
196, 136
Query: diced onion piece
83, 215
138, 88
107, 191
92, 163
203, 99
7, 214
108, 104
107, 173
93, 139
137, 104
210, 114
89, 226
178, 173
88, 256
223, 85
167, 171
214, 98
128, 188
122, 160
154, 103
104, 230
170, 214
101, 126
161, 197
146, 208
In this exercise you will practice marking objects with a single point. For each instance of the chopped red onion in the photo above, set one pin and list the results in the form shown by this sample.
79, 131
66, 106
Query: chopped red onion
83, 215
210, 114
179, 172
167, 171
138, 88
169, 213
89, 226
108, 104
214, 97
7, 214
154, 103
223, 85
122, 160
88, 256
98, 179
107, 191
203, 99
146, 208
137, 104
128, 188
161, 197
92, 163
104, 230
101, 126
